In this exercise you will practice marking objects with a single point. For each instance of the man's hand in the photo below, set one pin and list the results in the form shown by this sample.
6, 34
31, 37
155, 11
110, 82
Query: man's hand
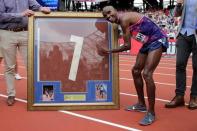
28, 13
102, 51
180, 1
45, 10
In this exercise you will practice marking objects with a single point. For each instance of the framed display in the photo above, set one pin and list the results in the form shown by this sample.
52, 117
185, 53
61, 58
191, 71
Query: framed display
66, 69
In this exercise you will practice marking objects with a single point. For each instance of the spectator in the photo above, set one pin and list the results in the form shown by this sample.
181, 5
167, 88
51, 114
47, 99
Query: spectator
17, 76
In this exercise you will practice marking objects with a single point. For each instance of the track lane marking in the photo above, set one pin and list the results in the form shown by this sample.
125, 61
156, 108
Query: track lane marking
130, 79
86, 117
160, 83
155, 73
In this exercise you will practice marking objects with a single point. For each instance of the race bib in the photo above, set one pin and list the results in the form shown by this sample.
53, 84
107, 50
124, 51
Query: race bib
140, 37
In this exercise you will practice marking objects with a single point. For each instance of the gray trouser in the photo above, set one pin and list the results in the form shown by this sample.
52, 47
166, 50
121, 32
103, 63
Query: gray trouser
9, 42
185, 46
1, 55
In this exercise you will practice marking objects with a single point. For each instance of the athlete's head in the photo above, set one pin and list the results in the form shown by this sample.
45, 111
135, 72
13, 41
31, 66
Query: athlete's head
110, 13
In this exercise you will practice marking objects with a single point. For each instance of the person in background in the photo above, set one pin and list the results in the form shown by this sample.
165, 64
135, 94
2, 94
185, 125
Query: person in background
154, 43
17, 75
13, 34
186, 44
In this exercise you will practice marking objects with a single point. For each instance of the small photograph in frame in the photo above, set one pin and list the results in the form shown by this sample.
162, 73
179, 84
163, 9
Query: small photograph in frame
48, 93
101, 91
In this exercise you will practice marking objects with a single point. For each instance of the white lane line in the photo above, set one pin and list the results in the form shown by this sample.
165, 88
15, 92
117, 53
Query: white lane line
168, 84
100, 121
160, 63
87, 117
164, 74
21, 100
158, 99
130, 79
121, 93
133, 57
163, 67
130, 58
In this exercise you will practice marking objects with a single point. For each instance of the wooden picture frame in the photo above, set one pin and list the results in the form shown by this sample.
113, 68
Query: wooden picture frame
66, 70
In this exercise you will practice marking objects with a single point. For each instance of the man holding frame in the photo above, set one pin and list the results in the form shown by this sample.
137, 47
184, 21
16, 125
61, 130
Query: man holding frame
13, 34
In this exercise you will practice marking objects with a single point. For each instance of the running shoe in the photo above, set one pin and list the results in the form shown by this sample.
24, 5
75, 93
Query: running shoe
148, 119
137, 107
